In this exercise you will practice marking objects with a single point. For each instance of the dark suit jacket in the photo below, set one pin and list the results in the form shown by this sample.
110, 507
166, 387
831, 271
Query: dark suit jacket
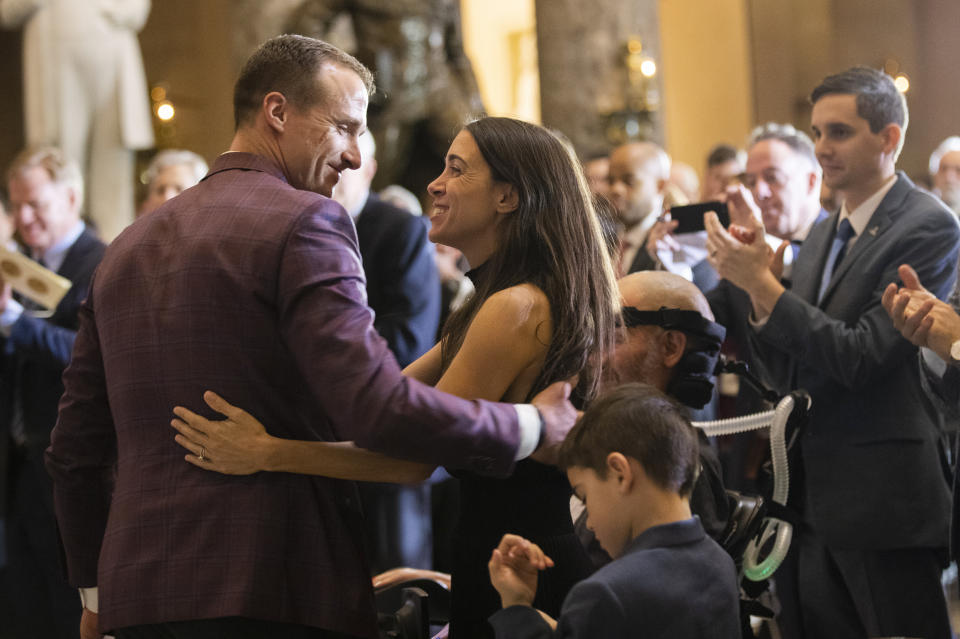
403, 288
37, 351
672, 581
871, 451
252, 288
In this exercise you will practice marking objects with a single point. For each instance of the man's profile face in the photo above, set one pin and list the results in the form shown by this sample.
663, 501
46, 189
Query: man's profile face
597, 172
639, 357
354, 186
635, 185
319, 142
43, 211
718, 177
947, 179
780, 181
850, 154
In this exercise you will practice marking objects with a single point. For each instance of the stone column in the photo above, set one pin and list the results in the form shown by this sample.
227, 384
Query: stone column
583, 48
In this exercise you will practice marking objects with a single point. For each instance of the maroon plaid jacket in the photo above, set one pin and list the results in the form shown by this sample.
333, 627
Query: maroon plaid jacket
249, 287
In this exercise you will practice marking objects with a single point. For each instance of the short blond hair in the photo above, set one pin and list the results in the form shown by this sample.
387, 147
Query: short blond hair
61, 169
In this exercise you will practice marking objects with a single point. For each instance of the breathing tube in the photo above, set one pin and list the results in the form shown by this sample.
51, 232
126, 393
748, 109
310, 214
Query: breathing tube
776, 419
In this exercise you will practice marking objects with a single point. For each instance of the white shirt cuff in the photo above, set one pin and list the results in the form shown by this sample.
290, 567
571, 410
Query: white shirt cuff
528, 418
933, 362
9, 317
89, 598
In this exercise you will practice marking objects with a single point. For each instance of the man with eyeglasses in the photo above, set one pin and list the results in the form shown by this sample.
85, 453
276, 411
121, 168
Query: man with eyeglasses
780, 186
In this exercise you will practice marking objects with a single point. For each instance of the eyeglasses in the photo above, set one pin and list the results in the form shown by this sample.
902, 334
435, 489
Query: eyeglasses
773, 178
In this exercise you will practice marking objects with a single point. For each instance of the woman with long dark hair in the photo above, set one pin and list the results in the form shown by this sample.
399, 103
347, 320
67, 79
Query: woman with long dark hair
512, 198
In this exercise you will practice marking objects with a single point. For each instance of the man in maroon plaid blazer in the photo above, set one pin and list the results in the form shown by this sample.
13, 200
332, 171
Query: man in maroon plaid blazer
251, 284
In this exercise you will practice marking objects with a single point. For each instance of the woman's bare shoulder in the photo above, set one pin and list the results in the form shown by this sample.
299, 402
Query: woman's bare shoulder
520, 299
524, 308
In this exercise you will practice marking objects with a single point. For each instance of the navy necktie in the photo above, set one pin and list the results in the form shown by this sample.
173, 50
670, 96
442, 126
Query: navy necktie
837, 251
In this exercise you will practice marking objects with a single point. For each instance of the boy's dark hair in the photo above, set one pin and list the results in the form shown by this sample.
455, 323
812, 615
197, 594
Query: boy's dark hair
878, 101
721, 154
642, 423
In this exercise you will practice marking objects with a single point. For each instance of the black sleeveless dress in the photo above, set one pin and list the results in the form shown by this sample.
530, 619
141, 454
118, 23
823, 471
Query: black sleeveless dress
534, 502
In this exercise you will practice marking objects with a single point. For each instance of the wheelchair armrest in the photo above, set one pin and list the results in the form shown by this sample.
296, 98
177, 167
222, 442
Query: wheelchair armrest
389, 588
746, 516
400, 575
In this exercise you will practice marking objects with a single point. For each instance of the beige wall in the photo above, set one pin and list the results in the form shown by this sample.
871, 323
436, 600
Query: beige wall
798, 42
500, 39
708, 89
188, 47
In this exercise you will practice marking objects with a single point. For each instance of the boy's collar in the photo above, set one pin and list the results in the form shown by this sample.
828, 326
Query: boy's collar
676, 533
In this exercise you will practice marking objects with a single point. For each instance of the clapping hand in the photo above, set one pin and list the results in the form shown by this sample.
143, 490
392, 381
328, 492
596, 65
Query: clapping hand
513, 567
920, 316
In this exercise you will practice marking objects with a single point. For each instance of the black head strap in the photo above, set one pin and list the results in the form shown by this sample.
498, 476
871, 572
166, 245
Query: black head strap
692, 382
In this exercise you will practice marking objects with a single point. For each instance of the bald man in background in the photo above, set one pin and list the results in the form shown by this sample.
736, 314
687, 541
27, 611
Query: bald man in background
639, 172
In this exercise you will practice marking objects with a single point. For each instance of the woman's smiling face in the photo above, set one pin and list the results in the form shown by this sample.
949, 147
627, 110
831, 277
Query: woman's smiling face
465, 197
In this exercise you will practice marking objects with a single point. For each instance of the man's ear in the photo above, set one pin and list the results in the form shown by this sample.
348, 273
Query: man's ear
620, 470
674, 344
891, 135
73, 199
276, 110
508, 200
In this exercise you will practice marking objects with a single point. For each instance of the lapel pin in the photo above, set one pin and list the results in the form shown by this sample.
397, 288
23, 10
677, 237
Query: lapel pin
873, 230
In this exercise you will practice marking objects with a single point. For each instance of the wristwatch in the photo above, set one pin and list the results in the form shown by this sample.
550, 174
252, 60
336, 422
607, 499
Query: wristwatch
955, 352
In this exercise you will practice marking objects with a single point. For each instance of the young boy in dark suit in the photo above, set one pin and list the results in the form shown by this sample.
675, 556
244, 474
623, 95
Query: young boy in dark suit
632, 459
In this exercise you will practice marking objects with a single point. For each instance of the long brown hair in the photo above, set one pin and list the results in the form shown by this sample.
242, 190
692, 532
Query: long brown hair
553, 241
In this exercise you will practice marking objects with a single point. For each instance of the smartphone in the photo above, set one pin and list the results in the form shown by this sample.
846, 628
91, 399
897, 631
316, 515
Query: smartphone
690, 217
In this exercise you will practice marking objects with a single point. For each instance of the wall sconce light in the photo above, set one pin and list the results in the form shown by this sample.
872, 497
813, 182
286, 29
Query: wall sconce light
632, 118
165, 111
901, 80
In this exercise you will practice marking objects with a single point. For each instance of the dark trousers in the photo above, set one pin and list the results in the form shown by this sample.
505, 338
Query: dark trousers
842, 593
35, 598
398, 530
226, 628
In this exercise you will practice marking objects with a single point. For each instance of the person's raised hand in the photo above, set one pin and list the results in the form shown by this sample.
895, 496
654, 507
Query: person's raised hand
920, 317
743, 210
558, 416
236, 445
660, 238
514, 566
740, 254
